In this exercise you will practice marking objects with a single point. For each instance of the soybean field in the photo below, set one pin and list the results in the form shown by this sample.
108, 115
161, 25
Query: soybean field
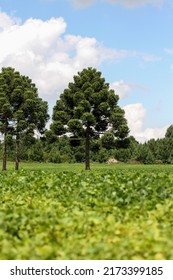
63, 212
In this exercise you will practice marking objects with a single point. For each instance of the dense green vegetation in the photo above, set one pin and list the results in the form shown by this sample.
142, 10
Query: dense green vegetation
112, 212
52, 208
88, 125
50, 148
22, 111
87, 109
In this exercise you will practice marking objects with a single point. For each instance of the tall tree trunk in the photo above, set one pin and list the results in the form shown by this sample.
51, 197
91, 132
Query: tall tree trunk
87, 150
4, 160
17, 151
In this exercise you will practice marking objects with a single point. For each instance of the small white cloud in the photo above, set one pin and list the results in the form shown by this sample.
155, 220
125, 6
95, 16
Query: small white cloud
83, 3
125, 3
154, 133
121, 88
135, 115
150, 57
146, 57
137, 3
89, 51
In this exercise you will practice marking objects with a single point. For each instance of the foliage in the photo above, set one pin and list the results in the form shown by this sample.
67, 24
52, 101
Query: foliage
88, 108
123, 213
21, 109
36, 153
68, 149
103, 155
145, 155
169, 132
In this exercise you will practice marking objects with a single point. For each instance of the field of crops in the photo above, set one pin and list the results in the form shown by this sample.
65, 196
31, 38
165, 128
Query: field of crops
119, 212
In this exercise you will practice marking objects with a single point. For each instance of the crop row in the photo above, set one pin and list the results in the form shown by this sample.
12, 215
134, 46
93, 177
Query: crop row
96, 215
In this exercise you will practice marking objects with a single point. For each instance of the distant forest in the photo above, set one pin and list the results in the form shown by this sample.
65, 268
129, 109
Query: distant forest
51, 148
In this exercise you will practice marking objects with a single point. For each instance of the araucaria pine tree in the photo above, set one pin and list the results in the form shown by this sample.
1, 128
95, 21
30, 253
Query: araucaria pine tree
88, 108
21, 109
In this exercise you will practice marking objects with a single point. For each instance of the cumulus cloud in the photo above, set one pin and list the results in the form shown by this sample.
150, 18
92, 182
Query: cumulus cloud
135, 115
42, 50
7, 21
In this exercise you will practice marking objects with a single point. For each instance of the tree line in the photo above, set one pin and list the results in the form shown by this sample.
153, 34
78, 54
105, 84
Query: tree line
51, 148
87, 124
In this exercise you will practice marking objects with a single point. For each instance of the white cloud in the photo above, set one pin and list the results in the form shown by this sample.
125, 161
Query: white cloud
146, 57
41, 50
7, 21
83, 3
89, 51
135, 115
126, 3
150, 57
137, 3
154, 133
121, 88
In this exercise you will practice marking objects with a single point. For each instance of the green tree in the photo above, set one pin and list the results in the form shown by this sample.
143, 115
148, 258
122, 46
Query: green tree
133, 148
50, 137
165, 146
6, 112
103, 155
108, 140
88, 108
22, 110
36, 151
123, 154
145, 155
169, 132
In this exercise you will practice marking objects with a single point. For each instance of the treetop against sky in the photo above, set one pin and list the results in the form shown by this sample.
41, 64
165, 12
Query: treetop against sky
130, 42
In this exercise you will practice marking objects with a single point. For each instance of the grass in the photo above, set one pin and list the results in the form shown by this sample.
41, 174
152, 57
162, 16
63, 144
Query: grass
60, 211
77, 167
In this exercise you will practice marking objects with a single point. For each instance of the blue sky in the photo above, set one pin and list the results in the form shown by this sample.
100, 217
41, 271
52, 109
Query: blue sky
130, 41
